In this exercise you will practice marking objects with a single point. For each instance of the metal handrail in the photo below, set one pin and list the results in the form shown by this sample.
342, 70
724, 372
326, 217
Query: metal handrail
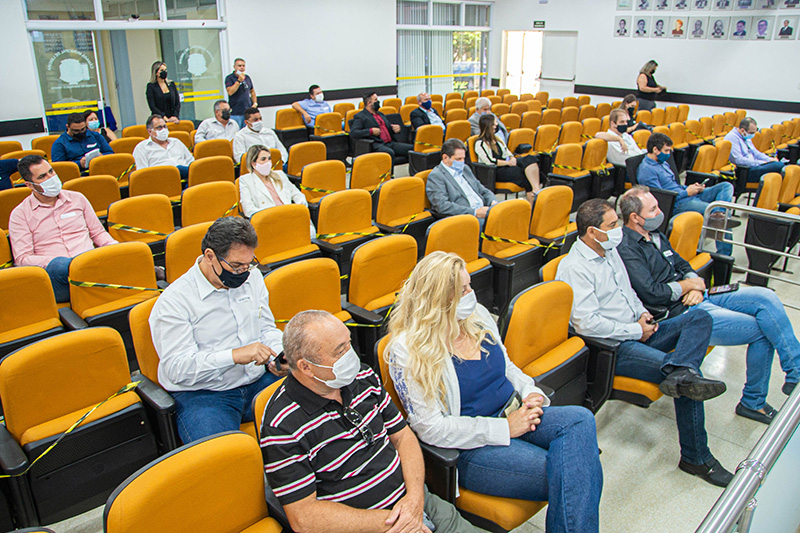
737, 502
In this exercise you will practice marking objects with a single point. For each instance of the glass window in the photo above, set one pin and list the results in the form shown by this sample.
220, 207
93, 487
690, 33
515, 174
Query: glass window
412, 12
50, 10
130, 9
469, 56
475, 15
446, 14
192, 9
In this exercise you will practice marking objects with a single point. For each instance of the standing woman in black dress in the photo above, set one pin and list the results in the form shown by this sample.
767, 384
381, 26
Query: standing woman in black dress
647, 86
162, 94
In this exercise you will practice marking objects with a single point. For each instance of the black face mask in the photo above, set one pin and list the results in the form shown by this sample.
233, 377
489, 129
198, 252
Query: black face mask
231, 280
622, 128
78, 134
631, 111
162, 74
376, 105
226, 114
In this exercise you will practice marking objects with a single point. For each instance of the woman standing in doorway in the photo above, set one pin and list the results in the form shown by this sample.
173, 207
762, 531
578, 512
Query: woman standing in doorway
648, 88
162, 94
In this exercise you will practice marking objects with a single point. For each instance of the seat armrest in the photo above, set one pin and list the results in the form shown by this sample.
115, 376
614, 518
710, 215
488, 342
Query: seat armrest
362, 146
546, 390
498, 262
722, 258
697, 177
12, 458
161, 284
446, 457
722, 268
327, 248
161, 408
275, 508
361, 315
71, 320
386, 229
486, 174
610, 345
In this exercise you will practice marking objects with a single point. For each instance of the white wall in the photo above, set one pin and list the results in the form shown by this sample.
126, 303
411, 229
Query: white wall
744, 69
18, 84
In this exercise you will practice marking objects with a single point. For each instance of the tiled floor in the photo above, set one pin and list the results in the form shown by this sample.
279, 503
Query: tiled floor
643, 488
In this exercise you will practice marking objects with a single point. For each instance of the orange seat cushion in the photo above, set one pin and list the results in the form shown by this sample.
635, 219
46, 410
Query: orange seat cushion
554, 357
29, 329
508, 513
637, 386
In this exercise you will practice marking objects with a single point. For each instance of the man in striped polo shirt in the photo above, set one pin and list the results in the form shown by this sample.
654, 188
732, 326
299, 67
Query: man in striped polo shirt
337, 452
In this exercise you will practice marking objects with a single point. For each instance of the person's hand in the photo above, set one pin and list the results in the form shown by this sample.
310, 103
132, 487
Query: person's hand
512, 161
241, 76
693, 297
533, 399
523, 420
481, 212
623, 146
773, 159
306, 117
274, 369
406, 515
375, 131
697, 284
396, 128
253, 353
83, 162
174, 120
695, 188
647, 329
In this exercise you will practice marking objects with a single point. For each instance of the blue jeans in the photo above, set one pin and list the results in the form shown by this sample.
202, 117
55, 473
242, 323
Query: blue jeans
755, 316
688, 335
203, 412
184, 170
558, 463
58, 270
239, 120
723, 192
755, 173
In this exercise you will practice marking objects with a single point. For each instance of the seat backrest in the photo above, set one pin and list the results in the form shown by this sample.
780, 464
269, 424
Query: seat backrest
706, 127
290, 221
139, 130
146, 354
423, 175
288, 119
584, 99
428, 139
29, 299
152, 212
182, 248
641, 137
6, 259
405, 112
569, 114
212, 147
509, 98
508, 220
644, 116
22, 153
386, 110
594, 156
370, 170
459, 129
531, 119
685, 234
328, 124
718, 122
305, 153
658, 116
437, 105
164, 180
470, 94
730, 121
550, 269
543, 97
511, 121
452, 96
459, 234
519, 108
393, 102
503, 92
59, 375
182, 136
260, 405
343, 212
14, 146
521, 136
570, 133
494, 99
767, 137
591, 126
570, 101
9, 199
704, 159
529, 334
455, 115
212, 484
101, 191
43, 143
526, 97
303, 285
470, 102
323, 175
118, 165
212, 168
207, 202
343, 107
551, 212
790, 184
535, 105
546, 138
487, 92
768, 191
677, 132
586, 111
399, 198
128, 263
551, 116
379, 268
670, 114
603, 109
453, 104
568, 155
683, 113
663, 130
723, 153
555, 103
500, 109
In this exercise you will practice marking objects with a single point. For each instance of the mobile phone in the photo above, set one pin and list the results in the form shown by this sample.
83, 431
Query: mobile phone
279, 360
722, 289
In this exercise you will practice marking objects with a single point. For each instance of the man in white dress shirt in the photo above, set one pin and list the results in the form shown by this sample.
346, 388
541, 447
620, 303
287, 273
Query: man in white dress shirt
621, 145
220, 126
161, 149
254, 133
215, 334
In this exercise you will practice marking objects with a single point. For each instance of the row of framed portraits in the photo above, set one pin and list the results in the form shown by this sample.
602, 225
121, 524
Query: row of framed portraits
757, 28
705, 5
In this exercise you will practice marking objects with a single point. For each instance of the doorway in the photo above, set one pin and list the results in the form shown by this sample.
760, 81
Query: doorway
522, 60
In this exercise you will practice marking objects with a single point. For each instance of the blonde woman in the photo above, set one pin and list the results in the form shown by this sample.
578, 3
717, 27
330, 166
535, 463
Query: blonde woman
460, 390
647, 86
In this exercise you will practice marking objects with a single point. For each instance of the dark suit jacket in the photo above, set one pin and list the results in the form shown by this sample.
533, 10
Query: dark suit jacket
419, 118
363, 121
166, 105
447, 197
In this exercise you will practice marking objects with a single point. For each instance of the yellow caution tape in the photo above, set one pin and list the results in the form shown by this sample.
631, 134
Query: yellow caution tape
133, 229
307, 188
383, 177
124, 172
512, 241
696, 135
337, 132
332, 235
92, 284
7, 264
428, 144
230, 210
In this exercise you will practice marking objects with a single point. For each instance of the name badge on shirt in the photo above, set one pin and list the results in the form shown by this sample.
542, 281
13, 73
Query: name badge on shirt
91, 145
242, 299
667, 253
69, 215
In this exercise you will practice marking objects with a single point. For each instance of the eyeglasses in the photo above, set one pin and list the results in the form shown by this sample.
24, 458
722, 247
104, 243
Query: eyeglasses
241, 268
355, 418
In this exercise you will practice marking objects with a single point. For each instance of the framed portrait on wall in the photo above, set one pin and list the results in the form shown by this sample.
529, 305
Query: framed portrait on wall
683, 5
624, 5
740, 28
660, 26
718, 27
622, 26
744, 4
644, 5
662, 5
762, 28
723, 5
698, 27
767, 4
790, 4
641, 26
702, 5
786, 28
677, 27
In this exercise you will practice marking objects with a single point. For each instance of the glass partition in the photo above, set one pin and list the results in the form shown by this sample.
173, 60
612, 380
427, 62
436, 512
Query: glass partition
53, 10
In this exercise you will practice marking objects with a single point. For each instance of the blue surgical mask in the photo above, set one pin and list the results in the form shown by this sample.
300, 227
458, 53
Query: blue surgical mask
458, 166
748, 136
93, 124
427, 105
662, 157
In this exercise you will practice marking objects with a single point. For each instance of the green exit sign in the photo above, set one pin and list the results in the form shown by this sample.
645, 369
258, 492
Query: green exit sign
538, 24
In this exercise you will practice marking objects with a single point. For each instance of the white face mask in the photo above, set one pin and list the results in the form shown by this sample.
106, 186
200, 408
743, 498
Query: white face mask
614, 238
466, 305
320, 98
345, 369
256, 126
51, 187
162, 135
263, 168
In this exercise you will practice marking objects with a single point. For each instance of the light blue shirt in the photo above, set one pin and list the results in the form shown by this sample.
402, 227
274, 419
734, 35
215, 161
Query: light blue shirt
435, 119
475, 200
743, 151
314, 108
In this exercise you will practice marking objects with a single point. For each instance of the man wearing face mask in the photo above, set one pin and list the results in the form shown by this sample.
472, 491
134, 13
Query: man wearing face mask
372, 124
745, 154
51, 226
161, 149
255, 133
337, 452
220, 126
77, 141
425, 114
668, 353
749, 315
621, 145
655, 171
453, 189
241, 93
312, 106
215, 334
483, 106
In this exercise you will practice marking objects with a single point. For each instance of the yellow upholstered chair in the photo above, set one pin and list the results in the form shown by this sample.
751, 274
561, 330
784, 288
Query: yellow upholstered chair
283, 235
43, 143
379, 269
212, 168
101, 191
208, 201
182, 248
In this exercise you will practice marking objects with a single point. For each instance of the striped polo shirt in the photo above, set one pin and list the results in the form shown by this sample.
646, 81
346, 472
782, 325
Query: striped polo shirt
309, 445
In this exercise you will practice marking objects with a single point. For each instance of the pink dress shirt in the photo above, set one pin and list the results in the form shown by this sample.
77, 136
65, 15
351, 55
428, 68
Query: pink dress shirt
40, 233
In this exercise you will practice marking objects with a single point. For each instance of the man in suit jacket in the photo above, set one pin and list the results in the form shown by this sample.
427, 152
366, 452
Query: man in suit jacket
482, 106
425, 114
453, 189
372, 124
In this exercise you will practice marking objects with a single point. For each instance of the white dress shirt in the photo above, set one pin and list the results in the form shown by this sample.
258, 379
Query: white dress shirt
211, 128
196, 327
148, 153
475, 200
245, 138
604, 304
616, 156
